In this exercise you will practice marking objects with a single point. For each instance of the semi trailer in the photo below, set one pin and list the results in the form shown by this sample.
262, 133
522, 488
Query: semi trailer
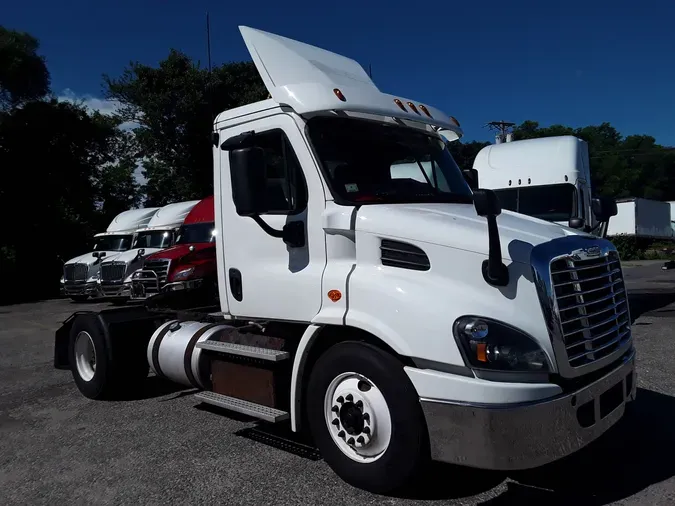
81, 274
159, 233
393, 320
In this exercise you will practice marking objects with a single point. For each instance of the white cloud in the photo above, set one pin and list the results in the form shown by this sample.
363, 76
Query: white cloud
103, 106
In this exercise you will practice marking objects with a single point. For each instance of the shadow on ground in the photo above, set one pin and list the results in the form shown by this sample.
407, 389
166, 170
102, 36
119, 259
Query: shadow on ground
650, 302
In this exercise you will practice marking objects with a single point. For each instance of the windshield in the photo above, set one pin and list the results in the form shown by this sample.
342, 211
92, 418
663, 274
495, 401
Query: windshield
112, 243
555, 202
154, 239
372, 163
196, 232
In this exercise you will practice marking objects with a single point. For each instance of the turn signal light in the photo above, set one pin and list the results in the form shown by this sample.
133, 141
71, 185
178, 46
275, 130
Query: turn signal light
339, 95
412, 106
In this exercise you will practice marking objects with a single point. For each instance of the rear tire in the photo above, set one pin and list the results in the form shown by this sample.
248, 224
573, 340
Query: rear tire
386, 446
102, 368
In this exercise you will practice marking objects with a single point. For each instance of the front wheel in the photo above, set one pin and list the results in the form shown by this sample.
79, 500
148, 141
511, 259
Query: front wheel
366, 418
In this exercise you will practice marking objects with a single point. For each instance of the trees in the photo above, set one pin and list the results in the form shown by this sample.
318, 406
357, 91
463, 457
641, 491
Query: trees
23, 73
174, 106
64, 173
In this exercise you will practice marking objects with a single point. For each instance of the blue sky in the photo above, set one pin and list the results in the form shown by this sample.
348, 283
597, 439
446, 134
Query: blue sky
572, 62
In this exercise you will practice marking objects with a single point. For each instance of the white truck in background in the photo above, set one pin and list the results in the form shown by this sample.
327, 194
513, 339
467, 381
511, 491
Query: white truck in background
158, 234
637, 217
380, 314
81, 274
548, 178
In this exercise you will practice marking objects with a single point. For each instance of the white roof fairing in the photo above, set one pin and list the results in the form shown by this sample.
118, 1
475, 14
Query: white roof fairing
131, 220
171, 215
303, 77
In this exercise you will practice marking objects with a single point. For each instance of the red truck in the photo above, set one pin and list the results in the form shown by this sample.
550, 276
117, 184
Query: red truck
189, 264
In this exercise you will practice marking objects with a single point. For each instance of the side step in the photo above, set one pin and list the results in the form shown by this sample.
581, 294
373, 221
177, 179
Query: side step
240, 406
244, 350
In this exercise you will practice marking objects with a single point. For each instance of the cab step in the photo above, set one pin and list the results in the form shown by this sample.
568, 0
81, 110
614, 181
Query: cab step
244, 407
244, 350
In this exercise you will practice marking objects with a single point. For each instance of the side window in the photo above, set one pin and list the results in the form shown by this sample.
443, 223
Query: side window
286, 186
508, 199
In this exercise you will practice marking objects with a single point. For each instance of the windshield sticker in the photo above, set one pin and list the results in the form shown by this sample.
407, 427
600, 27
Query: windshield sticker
352, 187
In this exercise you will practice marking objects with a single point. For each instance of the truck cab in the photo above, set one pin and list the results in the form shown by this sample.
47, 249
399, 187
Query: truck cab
81, 274
189, 263
160, 233
393, 319
548, 178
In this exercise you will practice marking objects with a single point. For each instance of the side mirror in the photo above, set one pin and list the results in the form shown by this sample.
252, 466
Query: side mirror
471, 177
486, 203
141, 252
604, 208
249, 181
577, 223
98, 254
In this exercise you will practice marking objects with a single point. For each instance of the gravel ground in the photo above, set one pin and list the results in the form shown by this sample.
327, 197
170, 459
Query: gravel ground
164, 448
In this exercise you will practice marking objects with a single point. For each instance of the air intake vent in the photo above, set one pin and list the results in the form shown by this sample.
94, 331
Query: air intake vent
404, 256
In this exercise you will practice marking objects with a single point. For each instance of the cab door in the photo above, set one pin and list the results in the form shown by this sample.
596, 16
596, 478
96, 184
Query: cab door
265, 277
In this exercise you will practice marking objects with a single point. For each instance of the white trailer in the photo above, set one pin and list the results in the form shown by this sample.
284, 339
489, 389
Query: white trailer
81, 274
158, 234
642, 218
378, 313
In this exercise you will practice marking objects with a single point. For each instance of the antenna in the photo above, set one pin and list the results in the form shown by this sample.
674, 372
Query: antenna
504, 132
208, 50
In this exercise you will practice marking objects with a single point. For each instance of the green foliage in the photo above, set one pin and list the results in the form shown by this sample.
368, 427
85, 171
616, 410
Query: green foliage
465, 153
23, 73
629, 247
174, 106
634, 166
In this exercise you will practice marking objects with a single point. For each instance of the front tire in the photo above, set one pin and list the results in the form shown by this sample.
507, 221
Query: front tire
366, 419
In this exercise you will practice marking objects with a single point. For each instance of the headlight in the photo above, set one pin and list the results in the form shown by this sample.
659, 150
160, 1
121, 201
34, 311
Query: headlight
492, 345
183, 274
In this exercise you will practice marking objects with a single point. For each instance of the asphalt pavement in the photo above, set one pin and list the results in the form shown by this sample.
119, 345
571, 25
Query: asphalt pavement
57, 447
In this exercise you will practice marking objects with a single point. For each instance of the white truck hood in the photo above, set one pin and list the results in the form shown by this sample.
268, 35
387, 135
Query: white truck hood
90, 259
130, 255
458, 226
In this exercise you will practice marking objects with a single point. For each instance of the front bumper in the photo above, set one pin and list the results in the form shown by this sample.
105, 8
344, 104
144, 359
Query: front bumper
117, 289
81, 288
526, 435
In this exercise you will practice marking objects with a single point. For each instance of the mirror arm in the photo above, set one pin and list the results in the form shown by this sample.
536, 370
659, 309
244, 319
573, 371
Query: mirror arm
269, 230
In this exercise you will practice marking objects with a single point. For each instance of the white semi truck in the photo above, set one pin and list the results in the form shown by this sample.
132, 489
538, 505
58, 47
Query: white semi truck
159, 233
548, 178
81, 274
395, 320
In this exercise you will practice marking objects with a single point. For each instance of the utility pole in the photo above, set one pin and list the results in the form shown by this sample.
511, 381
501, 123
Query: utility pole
208, 50
504, 130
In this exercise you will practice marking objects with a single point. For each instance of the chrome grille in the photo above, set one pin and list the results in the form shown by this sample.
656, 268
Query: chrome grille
592, 306
113, 271
159, 267
75, 272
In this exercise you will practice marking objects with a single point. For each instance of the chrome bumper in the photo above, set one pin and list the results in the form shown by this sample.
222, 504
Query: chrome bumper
521, 436
81, 288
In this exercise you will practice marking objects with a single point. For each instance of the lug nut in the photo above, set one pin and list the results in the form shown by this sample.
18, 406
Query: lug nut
350, 441
340, 399
349, 397
336, 422
341, 434
360, 440
335, 409
359, 404
366, 417
366, 430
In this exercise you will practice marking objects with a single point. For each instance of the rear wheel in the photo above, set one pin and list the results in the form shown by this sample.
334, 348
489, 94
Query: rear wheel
366, 419
101, 368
